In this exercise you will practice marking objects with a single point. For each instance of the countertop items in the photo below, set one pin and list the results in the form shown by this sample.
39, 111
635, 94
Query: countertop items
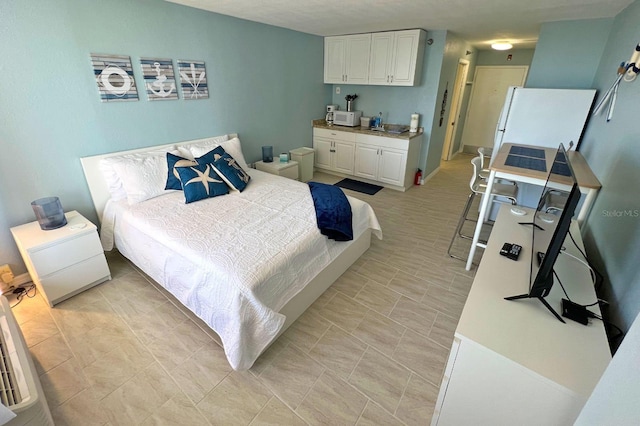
391, 130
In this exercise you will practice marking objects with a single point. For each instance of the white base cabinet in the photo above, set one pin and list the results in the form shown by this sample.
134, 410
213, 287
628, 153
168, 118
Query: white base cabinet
389, 161
334, 150
65, 261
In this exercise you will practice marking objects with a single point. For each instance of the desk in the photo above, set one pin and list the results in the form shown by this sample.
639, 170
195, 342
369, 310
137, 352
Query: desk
587, 181
513, 362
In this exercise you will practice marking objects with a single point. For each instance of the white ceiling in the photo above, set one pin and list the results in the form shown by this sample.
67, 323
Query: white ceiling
477, 21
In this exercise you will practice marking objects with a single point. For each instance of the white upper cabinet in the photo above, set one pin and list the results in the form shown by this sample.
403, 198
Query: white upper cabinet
396, 58
346, 59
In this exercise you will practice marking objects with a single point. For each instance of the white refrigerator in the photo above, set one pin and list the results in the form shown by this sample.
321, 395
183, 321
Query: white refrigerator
543, 117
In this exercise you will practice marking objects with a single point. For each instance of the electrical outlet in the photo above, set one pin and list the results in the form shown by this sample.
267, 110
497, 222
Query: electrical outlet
337, 90
6, 275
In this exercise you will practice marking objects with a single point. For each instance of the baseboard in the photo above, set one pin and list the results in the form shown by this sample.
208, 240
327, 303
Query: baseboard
432, 174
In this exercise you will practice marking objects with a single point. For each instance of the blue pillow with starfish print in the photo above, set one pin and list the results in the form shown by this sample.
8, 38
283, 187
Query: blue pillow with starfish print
231, 173
200, 182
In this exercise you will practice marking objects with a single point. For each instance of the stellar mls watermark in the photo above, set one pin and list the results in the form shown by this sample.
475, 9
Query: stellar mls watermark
621, 213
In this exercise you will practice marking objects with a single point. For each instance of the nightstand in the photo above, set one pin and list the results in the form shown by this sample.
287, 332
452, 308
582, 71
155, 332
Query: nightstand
65, 261
288, 170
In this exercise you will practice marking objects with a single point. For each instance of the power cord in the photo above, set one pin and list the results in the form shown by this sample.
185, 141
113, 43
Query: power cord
21, 292
620, 332
581, 310
598, 276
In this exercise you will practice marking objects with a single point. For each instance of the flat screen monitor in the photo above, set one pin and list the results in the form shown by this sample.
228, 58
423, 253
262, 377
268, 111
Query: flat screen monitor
555, 210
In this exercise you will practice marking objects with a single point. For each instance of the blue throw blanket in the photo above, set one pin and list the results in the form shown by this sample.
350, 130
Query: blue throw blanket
333, 211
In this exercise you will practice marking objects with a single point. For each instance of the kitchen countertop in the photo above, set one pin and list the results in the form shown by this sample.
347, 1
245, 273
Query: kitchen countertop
322, 124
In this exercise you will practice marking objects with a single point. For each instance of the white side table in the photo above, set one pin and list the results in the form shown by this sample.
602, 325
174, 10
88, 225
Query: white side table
65, 261
288, 170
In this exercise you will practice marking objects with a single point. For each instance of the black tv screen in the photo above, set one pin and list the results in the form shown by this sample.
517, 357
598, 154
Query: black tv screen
555, 210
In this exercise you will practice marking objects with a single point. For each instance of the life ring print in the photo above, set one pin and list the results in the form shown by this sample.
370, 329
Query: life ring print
116, 80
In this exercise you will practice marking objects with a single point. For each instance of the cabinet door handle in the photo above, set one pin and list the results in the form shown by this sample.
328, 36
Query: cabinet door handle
392, 79
387, 79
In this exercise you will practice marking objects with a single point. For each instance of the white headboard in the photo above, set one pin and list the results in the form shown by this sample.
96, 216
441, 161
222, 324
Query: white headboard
98, 186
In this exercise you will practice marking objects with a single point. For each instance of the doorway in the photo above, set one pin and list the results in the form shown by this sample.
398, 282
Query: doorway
456, 104
490, 84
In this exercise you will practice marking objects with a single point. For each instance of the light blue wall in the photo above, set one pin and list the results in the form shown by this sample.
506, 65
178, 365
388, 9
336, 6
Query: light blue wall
455, 49
265, 83
568, 53
496, 57
613, 151
612, 231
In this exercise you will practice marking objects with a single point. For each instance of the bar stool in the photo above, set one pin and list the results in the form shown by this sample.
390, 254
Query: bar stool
478, 187
484, 172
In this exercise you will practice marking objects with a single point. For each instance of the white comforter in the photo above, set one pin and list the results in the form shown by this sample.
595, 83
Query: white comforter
234, 260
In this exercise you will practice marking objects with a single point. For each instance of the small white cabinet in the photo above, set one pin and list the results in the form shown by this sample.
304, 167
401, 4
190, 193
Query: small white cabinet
288, 169
382, 164
334, 150
346, 59
396, 58
65, 261
391, 161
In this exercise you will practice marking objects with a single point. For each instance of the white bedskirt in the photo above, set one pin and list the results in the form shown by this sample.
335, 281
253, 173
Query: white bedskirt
234, 260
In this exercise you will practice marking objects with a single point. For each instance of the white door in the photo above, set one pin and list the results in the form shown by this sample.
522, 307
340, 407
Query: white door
405, 54
343, 156
367, 161
357, 59
454, 113
334, 52
322, 148
392, 166
380, 59
490, 85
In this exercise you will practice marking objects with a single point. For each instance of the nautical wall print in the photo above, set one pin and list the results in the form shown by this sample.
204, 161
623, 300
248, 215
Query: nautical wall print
193, 79
159, 79
114, 76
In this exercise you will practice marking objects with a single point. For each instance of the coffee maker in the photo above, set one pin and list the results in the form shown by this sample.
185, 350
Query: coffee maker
330, 110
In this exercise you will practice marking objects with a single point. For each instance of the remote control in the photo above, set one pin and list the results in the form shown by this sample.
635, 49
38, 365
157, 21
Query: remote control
512, 251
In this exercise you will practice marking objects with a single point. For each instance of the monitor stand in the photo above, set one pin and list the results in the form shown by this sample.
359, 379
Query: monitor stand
540, 298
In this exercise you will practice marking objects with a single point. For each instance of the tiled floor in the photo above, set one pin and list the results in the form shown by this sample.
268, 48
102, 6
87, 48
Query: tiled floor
370, 351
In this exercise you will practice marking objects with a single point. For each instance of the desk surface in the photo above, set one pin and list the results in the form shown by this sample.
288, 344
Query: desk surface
571, 354
584, 174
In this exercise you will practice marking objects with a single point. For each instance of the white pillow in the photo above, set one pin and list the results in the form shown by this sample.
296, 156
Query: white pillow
204, 145
113, 181
143, 176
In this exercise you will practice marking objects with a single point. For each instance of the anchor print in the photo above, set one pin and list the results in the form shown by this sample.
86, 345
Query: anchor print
159, 85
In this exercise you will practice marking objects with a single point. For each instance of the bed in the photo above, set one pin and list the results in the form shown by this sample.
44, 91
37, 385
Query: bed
247, 263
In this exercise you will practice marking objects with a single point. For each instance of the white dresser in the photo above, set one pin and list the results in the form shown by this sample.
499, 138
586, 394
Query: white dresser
513, 362
65, 261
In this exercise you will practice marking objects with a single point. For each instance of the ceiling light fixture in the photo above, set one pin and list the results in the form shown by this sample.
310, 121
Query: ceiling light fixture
501, 45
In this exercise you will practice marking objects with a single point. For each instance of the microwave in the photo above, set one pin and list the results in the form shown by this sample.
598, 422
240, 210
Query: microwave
347, 118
